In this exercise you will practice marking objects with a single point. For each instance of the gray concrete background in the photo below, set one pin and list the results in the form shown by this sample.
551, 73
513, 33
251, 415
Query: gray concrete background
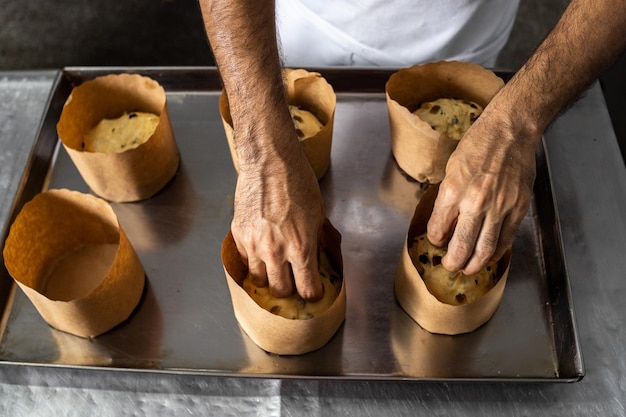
40, 34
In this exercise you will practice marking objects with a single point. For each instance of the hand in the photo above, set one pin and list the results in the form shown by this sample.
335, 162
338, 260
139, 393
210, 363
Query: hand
277, 221
485, 193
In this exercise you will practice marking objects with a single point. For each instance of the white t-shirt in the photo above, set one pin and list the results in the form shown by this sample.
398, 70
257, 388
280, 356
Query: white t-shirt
392, 32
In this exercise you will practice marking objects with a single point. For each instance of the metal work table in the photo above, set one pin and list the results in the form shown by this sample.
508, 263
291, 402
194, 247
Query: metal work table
589, 183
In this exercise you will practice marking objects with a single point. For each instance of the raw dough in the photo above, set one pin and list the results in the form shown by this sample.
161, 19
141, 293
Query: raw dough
307, 125
293, 306
449, 116
448, 287
121, 134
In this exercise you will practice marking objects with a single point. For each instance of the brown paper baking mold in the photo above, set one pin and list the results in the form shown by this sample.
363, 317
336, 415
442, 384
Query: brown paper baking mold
418, 149
135, 174
312, 92
68, 253
276, 334
430, 313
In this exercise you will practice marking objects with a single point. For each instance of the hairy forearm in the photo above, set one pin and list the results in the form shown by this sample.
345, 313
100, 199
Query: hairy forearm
242, 34
585, 42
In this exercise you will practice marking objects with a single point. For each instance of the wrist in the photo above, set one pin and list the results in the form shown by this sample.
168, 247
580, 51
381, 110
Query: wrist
268, 144
519, 116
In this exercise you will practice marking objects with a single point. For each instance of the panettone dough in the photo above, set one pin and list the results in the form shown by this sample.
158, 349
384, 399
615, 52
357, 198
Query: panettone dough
293, 306
307, 125
121, 134
453, 288
449, 116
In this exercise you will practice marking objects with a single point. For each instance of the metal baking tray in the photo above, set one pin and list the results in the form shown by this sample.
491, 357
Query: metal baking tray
185, 323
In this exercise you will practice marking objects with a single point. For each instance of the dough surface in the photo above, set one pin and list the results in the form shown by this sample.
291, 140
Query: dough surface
450, 288
307, 125
449, 116
293, 306
119, 135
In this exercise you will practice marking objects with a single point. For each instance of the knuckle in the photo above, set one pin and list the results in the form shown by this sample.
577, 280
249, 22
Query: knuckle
436, 235
437, 231
476, 201
450, 264
448, 192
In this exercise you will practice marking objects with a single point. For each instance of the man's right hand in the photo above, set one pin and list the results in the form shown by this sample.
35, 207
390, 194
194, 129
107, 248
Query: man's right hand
277, 220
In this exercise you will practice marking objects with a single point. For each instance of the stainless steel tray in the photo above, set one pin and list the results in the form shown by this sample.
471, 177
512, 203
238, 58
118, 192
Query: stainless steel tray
185, 323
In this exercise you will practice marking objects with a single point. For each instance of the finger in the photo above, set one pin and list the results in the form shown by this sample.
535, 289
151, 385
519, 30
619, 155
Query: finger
485, 248
241, 249
462, 243
304, 260
257, 272
308, 281
443, 218
279, 279
507, 236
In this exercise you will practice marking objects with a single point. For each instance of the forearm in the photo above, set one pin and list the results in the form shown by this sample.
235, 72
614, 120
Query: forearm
242, 34
585, 42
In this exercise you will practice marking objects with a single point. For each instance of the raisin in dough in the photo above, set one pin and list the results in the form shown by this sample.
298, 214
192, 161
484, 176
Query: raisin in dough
453, 288
307, 125
449, 116
293, 306
121, 134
